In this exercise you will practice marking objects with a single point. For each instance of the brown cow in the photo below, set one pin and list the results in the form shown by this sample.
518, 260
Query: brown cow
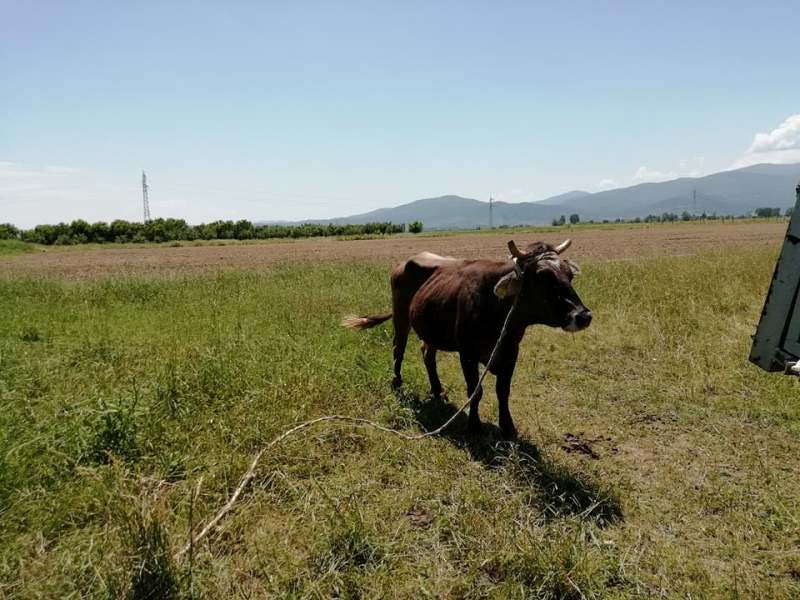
460, 306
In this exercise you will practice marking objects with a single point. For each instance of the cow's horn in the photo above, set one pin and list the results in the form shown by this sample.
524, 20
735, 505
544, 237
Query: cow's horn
563, 246
515, 252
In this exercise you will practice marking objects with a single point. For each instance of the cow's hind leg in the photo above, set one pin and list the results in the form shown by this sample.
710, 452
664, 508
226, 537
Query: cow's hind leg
401, 329
469, 366
429, 357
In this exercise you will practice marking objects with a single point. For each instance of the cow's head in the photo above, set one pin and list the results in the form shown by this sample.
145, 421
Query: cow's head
542, 282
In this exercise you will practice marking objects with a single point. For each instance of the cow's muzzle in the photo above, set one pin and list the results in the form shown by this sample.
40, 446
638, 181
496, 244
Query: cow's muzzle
578, 319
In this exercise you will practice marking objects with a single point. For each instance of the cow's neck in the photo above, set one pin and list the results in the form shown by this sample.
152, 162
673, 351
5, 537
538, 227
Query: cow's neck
516, 325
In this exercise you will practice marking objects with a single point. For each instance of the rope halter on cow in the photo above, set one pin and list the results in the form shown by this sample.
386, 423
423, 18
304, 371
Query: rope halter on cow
511, 284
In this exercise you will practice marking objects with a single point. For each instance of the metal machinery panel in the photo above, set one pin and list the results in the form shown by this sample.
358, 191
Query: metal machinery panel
776, 344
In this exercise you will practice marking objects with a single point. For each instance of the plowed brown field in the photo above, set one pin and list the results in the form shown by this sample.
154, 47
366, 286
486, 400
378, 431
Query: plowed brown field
618, 242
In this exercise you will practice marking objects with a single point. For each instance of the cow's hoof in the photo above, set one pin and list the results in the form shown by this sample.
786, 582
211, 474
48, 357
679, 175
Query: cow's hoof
509, 431
439, 396
397, 383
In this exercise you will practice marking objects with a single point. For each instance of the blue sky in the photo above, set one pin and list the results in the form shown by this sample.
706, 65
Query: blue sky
279, 110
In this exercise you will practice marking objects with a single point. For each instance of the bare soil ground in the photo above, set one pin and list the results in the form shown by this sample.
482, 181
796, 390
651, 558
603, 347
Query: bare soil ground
619, 242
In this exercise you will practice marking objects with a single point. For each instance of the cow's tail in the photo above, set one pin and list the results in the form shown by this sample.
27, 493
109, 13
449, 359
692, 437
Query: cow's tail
364, 322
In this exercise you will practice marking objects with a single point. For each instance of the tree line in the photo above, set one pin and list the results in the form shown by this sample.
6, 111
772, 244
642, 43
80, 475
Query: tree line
671, 217
170, 230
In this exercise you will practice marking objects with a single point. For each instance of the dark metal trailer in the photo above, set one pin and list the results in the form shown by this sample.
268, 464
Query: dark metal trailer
776, 343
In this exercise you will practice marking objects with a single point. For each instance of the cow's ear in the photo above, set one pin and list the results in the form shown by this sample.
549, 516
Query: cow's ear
509, 285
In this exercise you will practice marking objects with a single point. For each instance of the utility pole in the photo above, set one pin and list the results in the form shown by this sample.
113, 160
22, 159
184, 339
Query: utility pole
145, 200
491, 216
694, 201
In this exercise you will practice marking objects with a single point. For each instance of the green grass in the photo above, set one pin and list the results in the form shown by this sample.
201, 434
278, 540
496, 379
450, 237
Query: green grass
129, 404
12, 247
611, 225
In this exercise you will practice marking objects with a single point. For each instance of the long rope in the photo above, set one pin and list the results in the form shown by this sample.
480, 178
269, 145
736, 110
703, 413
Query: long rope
355, 421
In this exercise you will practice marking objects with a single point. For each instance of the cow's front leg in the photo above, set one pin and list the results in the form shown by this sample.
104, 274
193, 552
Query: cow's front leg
503, 389
469, 366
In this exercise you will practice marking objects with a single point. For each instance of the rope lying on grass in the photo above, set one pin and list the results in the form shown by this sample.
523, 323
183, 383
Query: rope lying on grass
356, 421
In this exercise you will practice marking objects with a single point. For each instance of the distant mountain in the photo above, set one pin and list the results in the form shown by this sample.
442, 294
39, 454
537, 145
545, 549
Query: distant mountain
450, 212
728, 192
444, 212
565, 197
734, 192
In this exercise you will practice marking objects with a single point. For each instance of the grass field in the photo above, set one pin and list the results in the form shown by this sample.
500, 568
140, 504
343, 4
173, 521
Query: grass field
13, 247
653, 459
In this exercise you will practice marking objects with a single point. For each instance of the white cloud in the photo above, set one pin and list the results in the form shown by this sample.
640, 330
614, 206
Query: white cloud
779, 146
33, 194
15, 176
607, 184
644, 174
687, 167
785, 137
13, 171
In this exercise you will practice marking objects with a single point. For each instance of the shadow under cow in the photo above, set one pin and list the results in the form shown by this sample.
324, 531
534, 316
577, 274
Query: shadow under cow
562, 490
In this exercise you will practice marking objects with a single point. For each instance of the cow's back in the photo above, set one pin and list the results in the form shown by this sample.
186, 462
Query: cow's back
410, 275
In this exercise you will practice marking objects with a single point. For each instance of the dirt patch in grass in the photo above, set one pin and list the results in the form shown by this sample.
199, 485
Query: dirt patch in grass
580, 444
620, 242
